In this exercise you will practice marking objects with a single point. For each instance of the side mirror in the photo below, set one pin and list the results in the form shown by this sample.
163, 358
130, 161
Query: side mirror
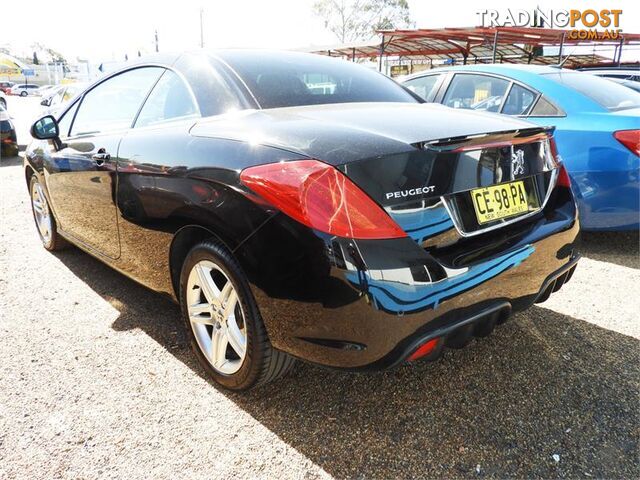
45, 129
46, 102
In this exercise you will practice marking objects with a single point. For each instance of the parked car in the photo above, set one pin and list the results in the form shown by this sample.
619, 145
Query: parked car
63, 93
5, 87
8, 138
623, 73
24, 89
633, 85
3, 100
354, 226
597, 127
43, 90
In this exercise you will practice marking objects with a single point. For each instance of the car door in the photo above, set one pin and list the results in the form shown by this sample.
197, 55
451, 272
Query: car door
82, 174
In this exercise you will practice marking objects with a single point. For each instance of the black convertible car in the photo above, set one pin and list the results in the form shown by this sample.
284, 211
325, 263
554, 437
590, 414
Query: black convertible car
298, 206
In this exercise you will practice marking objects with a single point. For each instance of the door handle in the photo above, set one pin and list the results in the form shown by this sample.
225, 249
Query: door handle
101, 157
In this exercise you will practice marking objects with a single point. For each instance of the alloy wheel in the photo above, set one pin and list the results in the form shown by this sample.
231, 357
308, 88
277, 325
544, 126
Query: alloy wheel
41, 212
216, 317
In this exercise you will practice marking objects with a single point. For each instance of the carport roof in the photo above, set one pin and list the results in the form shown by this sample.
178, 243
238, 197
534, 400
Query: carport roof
513, 44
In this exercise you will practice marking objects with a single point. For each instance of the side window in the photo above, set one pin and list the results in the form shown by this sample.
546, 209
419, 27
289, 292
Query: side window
476, 92
544, 108
113, 104
64, 123
170, 99
518, 101
424, 87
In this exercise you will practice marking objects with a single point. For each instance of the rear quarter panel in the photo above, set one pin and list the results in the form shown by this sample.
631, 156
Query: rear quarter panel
167, 180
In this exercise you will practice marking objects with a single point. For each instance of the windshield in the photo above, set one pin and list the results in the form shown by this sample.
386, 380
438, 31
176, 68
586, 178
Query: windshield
288, 79
610, 95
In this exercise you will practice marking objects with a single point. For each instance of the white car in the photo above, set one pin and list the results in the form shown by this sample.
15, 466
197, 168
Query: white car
3, 100
56, 96
24, 89
44, 90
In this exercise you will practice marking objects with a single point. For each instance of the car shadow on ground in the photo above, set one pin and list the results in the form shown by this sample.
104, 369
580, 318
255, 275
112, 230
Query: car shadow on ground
543, 384
10, 161
621, 248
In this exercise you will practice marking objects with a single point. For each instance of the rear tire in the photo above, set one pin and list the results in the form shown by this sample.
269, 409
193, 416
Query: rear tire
44, 219
219, 309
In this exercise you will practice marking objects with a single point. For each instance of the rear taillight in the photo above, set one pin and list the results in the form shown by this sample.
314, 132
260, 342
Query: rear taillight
630, 139
563, 177
321, 197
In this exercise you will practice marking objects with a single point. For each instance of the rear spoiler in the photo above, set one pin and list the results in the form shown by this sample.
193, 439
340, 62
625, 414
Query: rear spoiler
487, 140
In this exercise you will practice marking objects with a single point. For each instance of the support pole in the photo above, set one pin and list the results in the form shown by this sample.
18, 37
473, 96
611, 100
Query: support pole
560, 51
201, 29
381, 53
495, 46
620, 50
353, 54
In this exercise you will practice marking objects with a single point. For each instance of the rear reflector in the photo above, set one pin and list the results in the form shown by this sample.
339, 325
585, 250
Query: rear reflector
630, 139
423, 350
563, 177
321, 197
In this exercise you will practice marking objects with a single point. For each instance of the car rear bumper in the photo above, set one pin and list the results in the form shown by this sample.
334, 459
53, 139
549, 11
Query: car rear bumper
8, 143
608, 200
362, 310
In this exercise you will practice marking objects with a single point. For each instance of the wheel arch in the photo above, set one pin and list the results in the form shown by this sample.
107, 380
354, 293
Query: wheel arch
185, 238
28, 173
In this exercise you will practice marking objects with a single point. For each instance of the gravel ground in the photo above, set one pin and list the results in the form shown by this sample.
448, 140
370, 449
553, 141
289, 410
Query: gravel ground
97, 380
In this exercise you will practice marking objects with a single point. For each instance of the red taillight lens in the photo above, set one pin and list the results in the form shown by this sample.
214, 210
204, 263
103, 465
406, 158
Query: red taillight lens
630, 139
321, 197
424, 349
563, 178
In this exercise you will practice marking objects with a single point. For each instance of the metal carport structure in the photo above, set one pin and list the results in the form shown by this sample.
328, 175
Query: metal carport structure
482, 45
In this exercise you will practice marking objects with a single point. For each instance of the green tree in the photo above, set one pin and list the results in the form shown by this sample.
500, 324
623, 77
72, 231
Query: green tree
35, 59
354, 20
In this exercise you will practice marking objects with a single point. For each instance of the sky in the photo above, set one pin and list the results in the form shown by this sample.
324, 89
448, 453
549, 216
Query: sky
107, 30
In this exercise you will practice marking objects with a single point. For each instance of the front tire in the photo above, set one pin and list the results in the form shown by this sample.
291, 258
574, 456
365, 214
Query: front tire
223, 320
42, 215
23, 94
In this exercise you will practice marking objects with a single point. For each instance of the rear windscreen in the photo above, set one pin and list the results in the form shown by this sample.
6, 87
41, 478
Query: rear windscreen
610, 95
290, 79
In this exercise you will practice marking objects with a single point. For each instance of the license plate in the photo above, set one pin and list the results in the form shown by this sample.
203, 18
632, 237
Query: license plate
499, 201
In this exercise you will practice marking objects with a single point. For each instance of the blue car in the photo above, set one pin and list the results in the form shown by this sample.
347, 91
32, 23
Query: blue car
597, 127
